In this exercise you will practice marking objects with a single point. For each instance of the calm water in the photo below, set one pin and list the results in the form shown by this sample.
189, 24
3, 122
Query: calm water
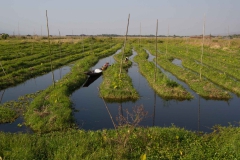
197, 114
30, 86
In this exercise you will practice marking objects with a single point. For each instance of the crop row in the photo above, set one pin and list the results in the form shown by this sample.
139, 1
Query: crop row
218, 73
51, 110
36, 59
165, 87
116, 86
202, 87
25, 73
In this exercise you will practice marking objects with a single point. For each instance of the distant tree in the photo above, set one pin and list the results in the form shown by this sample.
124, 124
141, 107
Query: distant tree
5, 36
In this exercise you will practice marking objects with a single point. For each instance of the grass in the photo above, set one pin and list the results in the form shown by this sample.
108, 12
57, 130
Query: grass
165, 87
7, 115
11, 110
117, 87
203, 87
51, 110
23, 65
152, 143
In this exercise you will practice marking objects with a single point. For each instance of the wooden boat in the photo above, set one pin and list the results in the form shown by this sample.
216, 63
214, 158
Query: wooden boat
97, 72
90, 80
92, 73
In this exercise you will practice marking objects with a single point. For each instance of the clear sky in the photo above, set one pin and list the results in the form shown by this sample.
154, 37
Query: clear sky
184, 17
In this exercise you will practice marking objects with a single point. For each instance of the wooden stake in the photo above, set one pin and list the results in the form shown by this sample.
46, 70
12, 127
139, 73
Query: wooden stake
124, 47
229, 38
60, 48
167, 40
49, 45
156, 53
202, 47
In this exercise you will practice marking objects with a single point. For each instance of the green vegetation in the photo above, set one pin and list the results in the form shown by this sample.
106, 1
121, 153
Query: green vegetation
165, 87
203, 87
217, 67
51, 110
152, 143
24, 60
117, 87
5, 36
7, 115
11, 110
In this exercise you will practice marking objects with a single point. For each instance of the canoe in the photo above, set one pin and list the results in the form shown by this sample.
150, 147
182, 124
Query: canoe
91, 73
95, 72
90, 80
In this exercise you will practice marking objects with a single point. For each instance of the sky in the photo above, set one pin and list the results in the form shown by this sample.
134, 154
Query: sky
94, 17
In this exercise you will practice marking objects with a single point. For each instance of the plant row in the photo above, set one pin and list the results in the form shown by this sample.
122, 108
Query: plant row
37, 59
142, 143
118, 86
40, 68
164, 87
202, 87
51, 110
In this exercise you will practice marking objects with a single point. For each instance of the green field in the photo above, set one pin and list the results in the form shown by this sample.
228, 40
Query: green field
49, 112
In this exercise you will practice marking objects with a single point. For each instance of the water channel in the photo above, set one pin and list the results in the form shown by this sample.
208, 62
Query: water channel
197, 114
90, 112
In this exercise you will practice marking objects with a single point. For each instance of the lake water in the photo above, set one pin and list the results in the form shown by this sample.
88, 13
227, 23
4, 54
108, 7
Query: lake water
197, 114
90, 111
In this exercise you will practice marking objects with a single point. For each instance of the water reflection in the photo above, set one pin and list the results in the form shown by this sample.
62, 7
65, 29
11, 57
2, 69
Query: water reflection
91, 79
2, 93
33, 85
30, 86
198, 114
177, 62
154, 108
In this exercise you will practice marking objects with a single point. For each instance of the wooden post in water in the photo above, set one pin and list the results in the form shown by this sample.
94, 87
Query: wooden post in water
202, 47
124, 47
49, 45
156, 54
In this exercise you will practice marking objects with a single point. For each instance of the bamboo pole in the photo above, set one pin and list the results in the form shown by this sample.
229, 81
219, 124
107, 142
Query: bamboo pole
228, 38
49, 45
140, 33
139, 40
202, 47
124, 47
60, 48
167, 41
156, 53
82, 43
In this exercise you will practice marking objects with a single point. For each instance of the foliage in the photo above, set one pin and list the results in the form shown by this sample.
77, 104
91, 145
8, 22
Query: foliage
154, 143
117, 87
28, 65
11, 110
165, 87
5, 36
203, 87
51, 110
